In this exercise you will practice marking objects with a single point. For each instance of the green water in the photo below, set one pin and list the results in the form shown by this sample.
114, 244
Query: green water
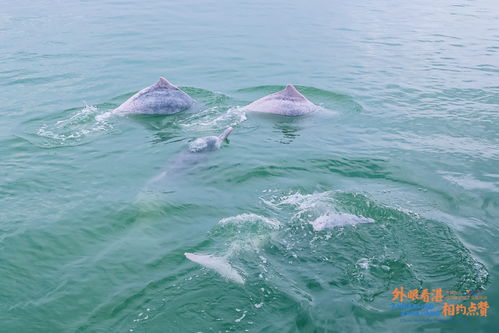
321, 216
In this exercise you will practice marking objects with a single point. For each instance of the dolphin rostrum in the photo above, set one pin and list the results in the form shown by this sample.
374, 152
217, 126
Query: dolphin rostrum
288, 102
160, 98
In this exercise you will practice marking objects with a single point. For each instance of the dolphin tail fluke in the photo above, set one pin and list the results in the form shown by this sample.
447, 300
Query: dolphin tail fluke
225, 134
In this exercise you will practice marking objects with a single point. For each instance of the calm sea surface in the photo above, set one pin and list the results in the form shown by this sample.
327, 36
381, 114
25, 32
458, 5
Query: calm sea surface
296, 224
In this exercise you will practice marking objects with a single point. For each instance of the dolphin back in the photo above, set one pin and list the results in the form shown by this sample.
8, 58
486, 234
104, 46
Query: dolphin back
159, 98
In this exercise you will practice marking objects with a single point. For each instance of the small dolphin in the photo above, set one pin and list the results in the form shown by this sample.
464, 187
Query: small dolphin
185, 161
160, 98
287, 102
209, 143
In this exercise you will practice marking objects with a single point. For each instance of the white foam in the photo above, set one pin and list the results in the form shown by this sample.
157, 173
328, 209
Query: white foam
210, 119
104, 116
240, 318
469, 182
84, 122
302, 201
251, 218
363, 263
217, 264
331, 220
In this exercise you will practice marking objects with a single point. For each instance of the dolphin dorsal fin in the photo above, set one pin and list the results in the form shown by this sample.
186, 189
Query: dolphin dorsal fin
290, 91
164, 83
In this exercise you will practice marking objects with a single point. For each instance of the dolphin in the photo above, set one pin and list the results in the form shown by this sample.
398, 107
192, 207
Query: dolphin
287, 102
197, 150
209, 143
187, 160
160, 98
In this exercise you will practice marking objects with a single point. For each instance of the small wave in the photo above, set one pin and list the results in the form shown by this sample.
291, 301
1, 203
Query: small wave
320, 210
214, 117
469, 182
303, 201
217, 264
332, 220
250, 218
81, 125
246, 233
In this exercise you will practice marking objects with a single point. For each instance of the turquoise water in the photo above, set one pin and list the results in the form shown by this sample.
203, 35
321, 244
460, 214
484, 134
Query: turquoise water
302, 224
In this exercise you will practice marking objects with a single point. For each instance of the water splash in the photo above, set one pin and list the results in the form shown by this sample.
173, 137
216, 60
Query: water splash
214, 118
332, 220
80, 127
250, 219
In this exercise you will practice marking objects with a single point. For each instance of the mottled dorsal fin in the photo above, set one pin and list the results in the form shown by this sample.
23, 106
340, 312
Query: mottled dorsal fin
291, 92
163, 83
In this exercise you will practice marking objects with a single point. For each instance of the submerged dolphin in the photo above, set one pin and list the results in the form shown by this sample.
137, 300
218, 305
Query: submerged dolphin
186, 160
288, 102
160, 98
